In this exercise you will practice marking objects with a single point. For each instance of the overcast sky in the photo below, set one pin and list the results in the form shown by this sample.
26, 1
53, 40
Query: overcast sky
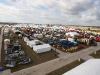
69, 12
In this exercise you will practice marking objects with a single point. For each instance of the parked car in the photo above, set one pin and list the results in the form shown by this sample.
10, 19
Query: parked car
25, 60
97, 39
8, 51
10, 64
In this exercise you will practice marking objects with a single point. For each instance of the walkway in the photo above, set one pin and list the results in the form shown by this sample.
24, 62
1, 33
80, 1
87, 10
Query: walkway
1, 43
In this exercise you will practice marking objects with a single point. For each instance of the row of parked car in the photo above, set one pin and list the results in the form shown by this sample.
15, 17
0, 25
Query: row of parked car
15, 55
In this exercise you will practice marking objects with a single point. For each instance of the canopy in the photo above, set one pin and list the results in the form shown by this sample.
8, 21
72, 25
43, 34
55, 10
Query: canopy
7, 41
73, 34
89, 32
26, 39
42, 48
90, 67
32, 43
6, 31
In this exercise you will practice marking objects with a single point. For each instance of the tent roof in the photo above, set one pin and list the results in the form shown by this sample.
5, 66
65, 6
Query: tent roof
32, 42
7, 40
41, 46
72, 33
90, 67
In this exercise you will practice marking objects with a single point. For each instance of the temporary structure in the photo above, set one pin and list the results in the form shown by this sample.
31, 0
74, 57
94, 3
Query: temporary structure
6, 32
13, 28
73, 34
32, 43
90, 67
19, 35
42, 48
7, 41
89, 32
26, 39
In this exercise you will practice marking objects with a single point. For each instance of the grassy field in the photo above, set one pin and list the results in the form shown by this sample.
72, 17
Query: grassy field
65, 68
97, 55
36, 58
85, 27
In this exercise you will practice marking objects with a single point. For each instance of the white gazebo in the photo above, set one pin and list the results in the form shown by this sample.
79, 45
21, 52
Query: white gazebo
73, 34
7, 41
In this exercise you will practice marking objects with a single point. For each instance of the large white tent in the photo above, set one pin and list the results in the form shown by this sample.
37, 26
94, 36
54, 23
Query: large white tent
32, 43
42, 48
25, 39
73, 34
90, 67
89, 32
6, 33
7, 41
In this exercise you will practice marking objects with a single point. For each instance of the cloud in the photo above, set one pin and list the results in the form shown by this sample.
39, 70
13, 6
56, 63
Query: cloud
93, 14
13, 0
67, 11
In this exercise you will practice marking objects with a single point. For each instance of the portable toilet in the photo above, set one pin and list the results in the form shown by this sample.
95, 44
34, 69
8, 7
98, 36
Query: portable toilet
1, 68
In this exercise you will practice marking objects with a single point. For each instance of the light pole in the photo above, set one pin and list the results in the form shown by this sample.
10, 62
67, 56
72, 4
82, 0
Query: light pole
55, 50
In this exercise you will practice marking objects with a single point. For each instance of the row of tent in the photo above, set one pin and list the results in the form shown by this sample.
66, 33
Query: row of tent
37, 46
53, 27
39, 30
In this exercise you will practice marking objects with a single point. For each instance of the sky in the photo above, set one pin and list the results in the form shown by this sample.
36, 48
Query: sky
67, 12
